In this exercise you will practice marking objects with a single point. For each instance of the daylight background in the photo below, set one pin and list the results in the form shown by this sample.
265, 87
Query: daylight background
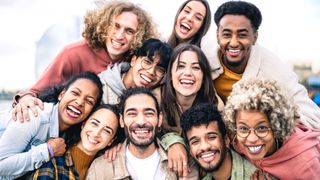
32, 32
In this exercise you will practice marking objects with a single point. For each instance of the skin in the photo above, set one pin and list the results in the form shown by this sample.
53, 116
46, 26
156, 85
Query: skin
121, 35
187, 75
137, 76
253, 147
208, 148
76, 103
235, 36
190, 20
98, 131
141, 123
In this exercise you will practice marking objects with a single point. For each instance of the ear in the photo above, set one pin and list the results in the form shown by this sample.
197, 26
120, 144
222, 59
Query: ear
62, 93
121, 121
255, 37
160, 119
227, 141
217, 35
133, 60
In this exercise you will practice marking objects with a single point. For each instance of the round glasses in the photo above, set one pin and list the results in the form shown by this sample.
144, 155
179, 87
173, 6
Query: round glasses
146, 64
260, 131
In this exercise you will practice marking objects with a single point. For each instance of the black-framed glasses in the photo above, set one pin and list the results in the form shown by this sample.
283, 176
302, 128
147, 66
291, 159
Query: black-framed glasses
146, 64
260, 131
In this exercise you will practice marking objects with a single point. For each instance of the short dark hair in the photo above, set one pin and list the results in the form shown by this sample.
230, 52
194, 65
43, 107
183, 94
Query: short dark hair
239, 8
153, 46
202, 114
135, 91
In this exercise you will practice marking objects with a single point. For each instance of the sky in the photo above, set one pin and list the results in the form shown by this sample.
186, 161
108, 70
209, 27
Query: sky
289, 28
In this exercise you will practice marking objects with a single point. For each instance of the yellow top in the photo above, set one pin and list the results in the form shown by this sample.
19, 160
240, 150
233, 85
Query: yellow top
81, 161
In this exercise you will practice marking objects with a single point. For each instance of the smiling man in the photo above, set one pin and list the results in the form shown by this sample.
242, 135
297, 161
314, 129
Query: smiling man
140, 156
240, 57
205, 133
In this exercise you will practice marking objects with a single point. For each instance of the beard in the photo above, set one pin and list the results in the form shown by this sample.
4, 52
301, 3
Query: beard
214, 167
233, 63
137, 143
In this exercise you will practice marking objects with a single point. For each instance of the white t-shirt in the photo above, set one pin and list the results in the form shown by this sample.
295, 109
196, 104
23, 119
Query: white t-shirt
144, 169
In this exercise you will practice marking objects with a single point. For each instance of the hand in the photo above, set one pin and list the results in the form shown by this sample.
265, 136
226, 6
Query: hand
58, 146
178, 159
111, 153
27, 101
260, 175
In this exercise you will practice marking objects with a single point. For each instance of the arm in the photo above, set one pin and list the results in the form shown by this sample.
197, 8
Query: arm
14, 159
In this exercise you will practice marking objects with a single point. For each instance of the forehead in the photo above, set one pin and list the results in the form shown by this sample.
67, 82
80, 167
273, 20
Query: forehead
196, 6
82, 84
235, 22
251, 117
140, 102
127, 19
203, 130
106, 117
188, 57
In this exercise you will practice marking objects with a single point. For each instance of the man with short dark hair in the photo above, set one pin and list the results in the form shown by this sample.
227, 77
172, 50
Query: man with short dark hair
140, 156
239, 57
206, 135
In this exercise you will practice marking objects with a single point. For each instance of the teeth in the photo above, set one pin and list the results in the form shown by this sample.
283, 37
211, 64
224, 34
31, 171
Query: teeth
186, 26
141, 131
207, 155
234, 50
145, 78
255, 149
74, 110
116, 43
92, 140
187, 81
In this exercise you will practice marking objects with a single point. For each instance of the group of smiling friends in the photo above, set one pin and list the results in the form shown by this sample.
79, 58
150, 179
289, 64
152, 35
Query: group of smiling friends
122, 104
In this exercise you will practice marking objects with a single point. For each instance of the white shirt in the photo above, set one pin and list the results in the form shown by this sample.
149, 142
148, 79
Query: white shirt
144, 169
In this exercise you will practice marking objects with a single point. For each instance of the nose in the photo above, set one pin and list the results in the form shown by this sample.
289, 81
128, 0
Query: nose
80, 101
234, 41
189, 16
204, 145
119, 33
188, 71
252, 137
152, 70
96, 132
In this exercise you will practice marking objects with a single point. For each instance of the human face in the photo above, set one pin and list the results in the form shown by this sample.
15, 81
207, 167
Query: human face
207, 146
235, 36
145, 72
98, 131
253, 147
76, 102
190, 20
121, 35
187, 75
140, 120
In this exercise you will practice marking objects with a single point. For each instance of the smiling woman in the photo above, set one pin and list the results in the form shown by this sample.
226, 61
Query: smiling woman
67, 106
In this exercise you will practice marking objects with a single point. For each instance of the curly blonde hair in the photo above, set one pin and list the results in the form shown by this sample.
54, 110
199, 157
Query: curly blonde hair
99, 21
264, 96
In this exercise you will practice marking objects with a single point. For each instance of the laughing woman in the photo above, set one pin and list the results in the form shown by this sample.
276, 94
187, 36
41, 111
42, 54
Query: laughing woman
187, 83
26, 146
97, 132
191, 23
264, 122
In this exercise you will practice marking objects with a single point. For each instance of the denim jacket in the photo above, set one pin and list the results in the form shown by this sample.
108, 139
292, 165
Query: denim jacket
23, 146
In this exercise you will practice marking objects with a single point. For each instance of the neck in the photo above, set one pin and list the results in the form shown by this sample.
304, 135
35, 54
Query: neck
224, 171
89, 153
142, 153
128, 80
185, 102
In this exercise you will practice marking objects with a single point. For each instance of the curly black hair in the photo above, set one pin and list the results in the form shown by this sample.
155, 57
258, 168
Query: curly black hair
202, 114
239, 8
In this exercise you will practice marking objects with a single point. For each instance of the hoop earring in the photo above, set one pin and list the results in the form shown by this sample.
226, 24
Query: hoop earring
277, 143
234, 141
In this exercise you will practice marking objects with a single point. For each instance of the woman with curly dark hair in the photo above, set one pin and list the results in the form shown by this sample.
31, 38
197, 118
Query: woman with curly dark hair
111, 32
265, 125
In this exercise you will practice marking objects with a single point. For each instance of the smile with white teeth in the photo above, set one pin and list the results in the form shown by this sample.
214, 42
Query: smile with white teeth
185, 25
145, 78
73, 111
141, 131
186, 81
208, 156
116, 43
234, 50
92, 140
255, 149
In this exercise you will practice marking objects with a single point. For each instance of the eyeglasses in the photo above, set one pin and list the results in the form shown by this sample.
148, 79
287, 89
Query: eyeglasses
260, 131
146, 64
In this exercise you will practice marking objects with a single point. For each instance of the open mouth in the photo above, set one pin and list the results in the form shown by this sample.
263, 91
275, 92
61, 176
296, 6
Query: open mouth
142, 133
255, 149
145, 78
185, 28
116, 44
186, 82
92, 140
208, 156
73, 112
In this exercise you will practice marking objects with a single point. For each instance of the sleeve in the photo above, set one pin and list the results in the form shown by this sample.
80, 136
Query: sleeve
14, 160
171, 138
57, 72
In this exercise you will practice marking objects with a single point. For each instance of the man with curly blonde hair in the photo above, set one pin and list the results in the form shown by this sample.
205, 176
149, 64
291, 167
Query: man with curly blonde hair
111, 32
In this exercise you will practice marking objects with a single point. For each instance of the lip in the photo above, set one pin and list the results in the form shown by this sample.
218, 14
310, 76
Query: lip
141, 133
207, 156
73, 111
255, 149
145, 80
116, 44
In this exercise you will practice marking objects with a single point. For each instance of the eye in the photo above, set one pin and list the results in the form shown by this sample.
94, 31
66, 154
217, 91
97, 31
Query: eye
75, 93
199, 18
194, 142
243, 35
243, 129
226, 35
131, 114
116, 26
212, 137
262, 128
94, 123
130, 31
180, 66
196, 67
148, 61
149, 114
107, 131
90, 102
186, 11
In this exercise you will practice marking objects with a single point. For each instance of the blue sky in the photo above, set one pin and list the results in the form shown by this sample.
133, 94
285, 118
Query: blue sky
289, 28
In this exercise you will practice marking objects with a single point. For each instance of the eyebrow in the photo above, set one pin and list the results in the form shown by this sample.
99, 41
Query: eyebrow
108, 127
238, 31
198, 13
81, 92
262, 121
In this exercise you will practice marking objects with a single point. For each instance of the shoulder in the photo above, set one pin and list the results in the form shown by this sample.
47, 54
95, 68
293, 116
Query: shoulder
96, 169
